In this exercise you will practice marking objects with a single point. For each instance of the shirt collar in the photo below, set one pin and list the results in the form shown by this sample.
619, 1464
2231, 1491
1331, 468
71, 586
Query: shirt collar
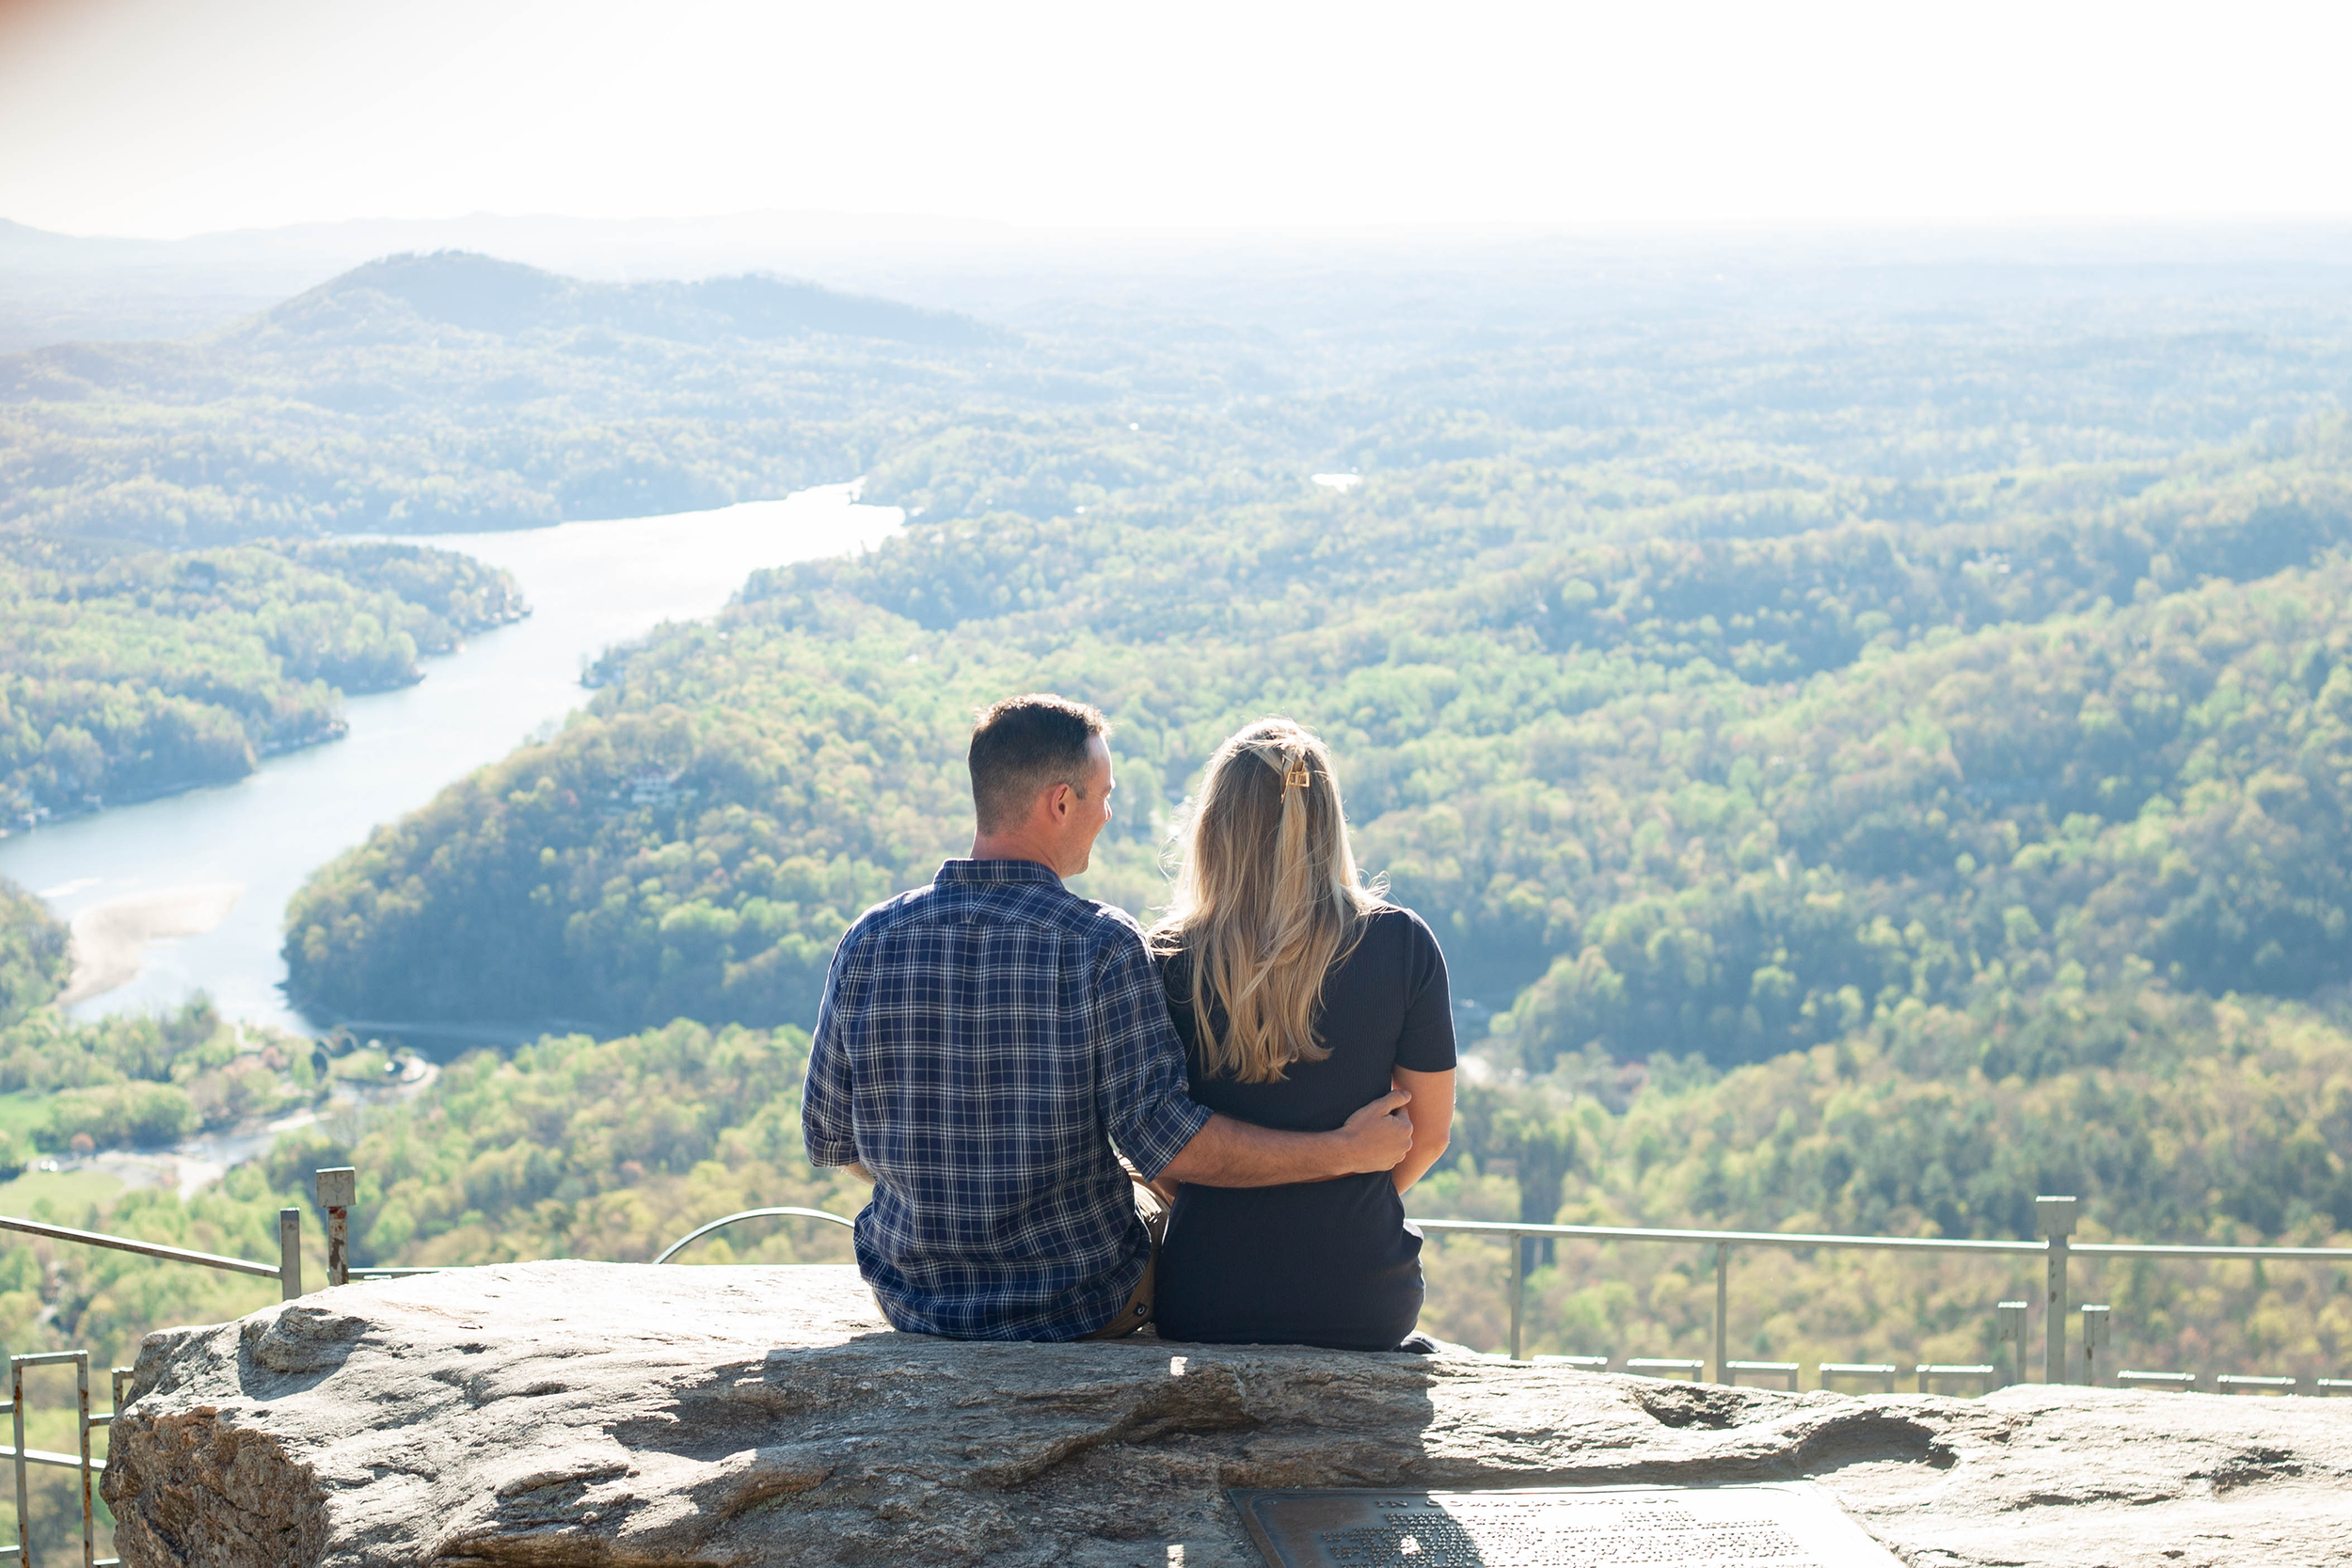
996, 871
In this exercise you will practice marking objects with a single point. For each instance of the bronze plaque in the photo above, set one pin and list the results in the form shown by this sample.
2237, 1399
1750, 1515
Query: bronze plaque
1790, 1525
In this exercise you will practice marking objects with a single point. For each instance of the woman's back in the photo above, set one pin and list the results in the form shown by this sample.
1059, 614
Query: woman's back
1328, 1262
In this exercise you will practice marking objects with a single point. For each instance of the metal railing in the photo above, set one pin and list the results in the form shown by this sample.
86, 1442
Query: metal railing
21, 1457
338, 1192
721, 1223
288, 1226
2057, 1217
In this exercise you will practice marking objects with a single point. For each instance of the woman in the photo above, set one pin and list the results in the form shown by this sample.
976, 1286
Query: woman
1300, 994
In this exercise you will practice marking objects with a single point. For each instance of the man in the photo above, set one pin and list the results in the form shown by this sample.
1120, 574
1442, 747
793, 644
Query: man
984, 1042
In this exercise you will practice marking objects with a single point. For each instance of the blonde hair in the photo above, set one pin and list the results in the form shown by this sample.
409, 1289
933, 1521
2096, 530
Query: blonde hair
1267, 901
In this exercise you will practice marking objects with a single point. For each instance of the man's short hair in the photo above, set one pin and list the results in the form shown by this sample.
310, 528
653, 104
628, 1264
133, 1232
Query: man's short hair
1023, 746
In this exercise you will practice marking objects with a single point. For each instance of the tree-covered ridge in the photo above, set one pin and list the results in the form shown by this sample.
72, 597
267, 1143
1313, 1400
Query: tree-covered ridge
454, 594
1627, 799
452, 391
32, 959
1674, 550
679, 854
132, 674
2157, 790
480, 294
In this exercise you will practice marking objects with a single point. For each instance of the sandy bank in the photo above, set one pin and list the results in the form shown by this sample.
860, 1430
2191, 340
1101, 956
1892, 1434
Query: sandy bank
109, 940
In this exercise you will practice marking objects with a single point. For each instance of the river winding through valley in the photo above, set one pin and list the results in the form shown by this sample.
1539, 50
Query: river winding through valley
188, 893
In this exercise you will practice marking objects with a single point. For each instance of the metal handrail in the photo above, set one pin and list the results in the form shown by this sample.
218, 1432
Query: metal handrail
45, 1456
2056, 1247
21, 1456
149, 1249
1790, 1239
16, 1455
2143, 1249
1741, 1238
692, 1236
1793, 1238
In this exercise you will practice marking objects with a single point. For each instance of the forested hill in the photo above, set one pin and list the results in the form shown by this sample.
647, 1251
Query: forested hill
1719, 794
423, 394
126, 673
32, 959
452, 391
482, 295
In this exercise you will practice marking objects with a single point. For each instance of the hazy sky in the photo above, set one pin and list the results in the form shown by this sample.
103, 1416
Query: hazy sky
170, 117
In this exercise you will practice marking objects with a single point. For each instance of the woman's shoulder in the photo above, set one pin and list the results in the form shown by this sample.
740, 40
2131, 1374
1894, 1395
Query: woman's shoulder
1174, 964
1398, 924
1396, 931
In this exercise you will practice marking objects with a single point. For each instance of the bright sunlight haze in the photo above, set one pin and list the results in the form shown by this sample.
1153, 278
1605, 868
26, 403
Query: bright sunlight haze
135, 118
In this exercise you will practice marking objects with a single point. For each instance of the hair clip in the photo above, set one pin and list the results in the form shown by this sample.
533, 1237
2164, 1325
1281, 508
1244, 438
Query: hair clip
1297, 778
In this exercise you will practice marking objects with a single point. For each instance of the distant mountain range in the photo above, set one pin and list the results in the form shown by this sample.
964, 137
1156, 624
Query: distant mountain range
480, 294
55, 287
429, 393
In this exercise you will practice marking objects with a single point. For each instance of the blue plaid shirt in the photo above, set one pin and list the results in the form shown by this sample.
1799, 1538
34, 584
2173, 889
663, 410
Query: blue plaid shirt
982, 1043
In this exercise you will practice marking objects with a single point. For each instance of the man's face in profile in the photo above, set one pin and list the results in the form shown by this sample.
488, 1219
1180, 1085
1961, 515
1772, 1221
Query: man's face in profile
1088, 816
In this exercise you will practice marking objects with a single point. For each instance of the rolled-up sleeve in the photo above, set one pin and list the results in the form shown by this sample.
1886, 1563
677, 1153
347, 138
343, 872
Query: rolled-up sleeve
828, 1129
1140, 1088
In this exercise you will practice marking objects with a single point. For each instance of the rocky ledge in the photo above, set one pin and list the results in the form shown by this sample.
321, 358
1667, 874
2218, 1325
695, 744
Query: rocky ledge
572, 1413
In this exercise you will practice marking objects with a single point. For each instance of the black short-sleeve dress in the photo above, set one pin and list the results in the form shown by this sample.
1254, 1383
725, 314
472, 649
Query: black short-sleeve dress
1324, 1262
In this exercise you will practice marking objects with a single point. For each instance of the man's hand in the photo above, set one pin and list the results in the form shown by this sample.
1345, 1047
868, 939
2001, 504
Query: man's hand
1378, 1137
1164, 1190
1229, 1153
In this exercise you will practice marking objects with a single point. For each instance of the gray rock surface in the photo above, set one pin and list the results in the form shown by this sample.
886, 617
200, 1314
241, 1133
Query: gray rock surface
626, 1416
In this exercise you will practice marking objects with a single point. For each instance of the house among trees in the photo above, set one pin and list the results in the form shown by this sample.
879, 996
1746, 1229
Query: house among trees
651, 786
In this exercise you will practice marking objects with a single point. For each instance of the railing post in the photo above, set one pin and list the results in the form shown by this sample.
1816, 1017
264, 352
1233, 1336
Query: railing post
2057, 1215
1519, 1292
339, 1188
23, 1488
2009, 1319
1722, 1308
289, 1254
89, 1511
2095, 1327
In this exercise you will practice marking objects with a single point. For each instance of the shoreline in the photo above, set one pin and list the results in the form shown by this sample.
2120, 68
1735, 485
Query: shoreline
108, 941
592, 585
51, 816
337, 728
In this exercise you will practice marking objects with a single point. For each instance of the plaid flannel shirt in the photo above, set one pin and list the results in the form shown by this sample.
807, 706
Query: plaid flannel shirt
982, 1044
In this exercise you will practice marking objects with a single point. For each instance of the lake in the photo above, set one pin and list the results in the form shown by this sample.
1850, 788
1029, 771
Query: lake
221, 863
